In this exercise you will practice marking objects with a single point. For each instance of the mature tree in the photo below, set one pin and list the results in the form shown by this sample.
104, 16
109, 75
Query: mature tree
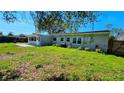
57, 21
1, 33
116, 32
108, 26
22, 35
10, 34
60, 21
9, 16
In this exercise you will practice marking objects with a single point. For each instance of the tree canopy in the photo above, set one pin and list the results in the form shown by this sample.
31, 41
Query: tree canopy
56, 21
1, 34
10, 34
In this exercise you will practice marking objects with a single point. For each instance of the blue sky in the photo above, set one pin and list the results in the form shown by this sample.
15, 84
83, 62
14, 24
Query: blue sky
116, 18
109, 17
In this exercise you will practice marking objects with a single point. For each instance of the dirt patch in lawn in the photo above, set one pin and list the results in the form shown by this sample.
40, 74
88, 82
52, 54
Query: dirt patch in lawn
3, 57
10, 55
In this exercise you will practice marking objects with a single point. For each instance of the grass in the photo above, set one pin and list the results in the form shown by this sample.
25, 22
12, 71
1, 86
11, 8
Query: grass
56, 63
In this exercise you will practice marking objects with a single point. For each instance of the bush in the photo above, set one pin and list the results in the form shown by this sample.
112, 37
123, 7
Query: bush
58, 45
88, 76
80, 48
53, 44
73, 78
38, 66
10, 53
1, 33
64, 77
61, 77
14, 39
62, 66
98, 50
69, 46
76, 78
9, 75
91, 76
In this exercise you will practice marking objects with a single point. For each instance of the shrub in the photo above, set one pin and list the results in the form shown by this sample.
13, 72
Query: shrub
96, 77
64, 77
1, 33
53, 44
62, 66
99, 50
88, 75
9, 75
10, 53
80, 48
38, 66
58, 45
76, 78
61, 77
8, 39
73, 78
69, 46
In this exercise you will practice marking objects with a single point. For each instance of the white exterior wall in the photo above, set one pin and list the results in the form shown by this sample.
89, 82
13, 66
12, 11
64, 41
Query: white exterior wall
46, 40
30, 42
43, 40
100, 40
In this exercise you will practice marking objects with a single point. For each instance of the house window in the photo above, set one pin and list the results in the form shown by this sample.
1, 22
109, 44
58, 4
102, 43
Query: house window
92, 39
31, 38
34, 38
68, 39
62, 39
54, 39
79, 41
74, 40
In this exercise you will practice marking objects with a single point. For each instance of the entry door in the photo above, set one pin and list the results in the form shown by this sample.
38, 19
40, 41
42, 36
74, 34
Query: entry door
38, 41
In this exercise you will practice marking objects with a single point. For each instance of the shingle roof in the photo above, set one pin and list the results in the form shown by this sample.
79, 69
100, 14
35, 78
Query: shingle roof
89, 32
94, 31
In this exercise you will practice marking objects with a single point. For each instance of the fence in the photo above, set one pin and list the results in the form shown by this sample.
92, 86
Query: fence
9, 39
116, 47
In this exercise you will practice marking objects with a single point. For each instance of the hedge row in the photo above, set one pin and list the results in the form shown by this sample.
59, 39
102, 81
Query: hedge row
14, 39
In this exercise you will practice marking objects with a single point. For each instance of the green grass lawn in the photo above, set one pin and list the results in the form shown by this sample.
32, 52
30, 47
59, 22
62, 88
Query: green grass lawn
56, 63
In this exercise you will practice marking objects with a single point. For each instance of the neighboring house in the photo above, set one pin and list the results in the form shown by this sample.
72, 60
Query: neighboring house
89, 40
121, 37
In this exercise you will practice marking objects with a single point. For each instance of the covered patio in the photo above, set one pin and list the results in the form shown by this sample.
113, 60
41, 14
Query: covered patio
34, 40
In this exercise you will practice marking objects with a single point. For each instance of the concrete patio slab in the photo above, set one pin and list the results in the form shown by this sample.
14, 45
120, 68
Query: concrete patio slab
24, 45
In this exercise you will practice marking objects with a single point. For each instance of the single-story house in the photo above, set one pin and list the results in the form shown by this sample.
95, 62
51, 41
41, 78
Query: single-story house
89, 40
